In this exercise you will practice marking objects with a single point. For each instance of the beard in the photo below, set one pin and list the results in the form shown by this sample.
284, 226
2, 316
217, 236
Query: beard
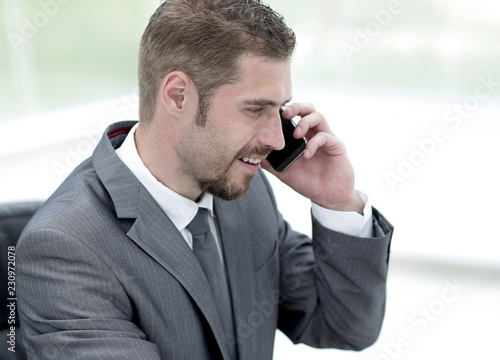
210, 166
223, 185
224, 188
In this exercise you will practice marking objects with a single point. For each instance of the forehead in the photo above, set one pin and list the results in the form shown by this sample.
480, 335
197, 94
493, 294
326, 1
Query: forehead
261, 80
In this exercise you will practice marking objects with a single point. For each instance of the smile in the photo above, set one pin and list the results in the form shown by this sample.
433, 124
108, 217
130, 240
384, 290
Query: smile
250, 160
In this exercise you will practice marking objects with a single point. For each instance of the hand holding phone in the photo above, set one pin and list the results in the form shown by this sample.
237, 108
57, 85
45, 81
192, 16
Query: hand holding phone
281, 160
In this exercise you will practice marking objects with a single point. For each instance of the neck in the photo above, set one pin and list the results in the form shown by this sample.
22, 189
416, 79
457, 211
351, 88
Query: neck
156, 150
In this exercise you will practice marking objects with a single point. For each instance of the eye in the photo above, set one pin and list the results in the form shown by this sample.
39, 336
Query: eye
256, 111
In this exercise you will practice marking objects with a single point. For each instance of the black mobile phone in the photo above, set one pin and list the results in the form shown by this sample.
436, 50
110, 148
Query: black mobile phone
294, 148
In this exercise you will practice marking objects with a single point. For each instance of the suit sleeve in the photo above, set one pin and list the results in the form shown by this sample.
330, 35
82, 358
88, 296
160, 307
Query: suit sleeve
75, 305
333, 287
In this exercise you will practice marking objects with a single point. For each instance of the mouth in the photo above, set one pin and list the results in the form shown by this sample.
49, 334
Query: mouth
251, 157
252, 161
250, 164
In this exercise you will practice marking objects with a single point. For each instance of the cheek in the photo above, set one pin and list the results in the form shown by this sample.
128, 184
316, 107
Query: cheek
227, 139
216, 151
225, 142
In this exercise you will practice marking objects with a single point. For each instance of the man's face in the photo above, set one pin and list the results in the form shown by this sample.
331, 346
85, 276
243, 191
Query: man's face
242, 127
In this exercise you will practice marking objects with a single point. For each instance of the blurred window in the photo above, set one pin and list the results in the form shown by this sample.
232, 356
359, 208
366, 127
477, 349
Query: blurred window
60, 52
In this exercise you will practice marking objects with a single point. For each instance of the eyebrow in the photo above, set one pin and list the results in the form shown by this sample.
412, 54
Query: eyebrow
264, 102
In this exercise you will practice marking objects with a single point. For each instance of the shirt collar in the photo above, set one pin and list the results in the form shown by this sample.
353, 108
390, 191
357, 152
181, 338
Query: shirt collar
178, 208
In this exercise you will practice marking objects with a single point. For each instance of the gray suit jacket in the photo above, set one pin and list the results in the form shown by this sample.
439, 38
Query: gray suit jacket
104, 274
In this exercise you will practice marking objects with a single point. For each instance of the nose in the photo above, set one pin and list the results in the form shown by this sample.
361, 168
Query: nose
272, 134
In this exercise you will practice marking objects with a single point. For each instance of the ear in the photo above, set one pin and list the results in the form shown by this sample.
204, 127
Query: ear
175, 91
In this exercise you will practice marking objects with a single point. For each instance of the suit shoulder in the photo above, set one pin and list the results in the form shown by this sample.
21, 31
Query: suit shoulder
75, 205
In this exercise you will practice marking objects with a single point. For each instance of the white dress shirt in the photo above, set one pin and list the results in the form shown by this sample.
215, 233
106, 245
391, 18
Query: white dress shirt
182, 211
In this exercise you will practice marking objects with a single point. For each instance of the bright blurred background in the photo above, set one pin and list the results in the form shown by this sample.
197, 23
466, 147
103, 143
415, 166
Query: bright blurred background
412, 87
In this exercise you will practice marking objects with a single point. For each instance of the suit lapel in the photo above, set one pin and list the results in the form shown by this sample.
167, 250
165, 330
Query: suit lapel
155, 234
153, 231
238, 252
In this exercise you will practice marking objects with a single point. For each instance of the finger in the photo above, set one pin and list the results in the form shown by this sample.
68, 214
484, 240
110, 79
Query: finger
298, 109
329, 143
311, 124
310, 119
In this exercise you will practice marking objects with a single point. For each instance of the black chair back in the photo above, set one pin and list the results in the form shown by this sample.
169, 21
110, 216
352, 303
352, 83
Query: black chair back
13, 219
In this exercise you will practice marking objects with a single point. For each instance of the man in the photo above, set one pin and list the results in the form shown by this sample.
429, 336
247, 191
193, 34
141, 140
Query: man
111, 266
